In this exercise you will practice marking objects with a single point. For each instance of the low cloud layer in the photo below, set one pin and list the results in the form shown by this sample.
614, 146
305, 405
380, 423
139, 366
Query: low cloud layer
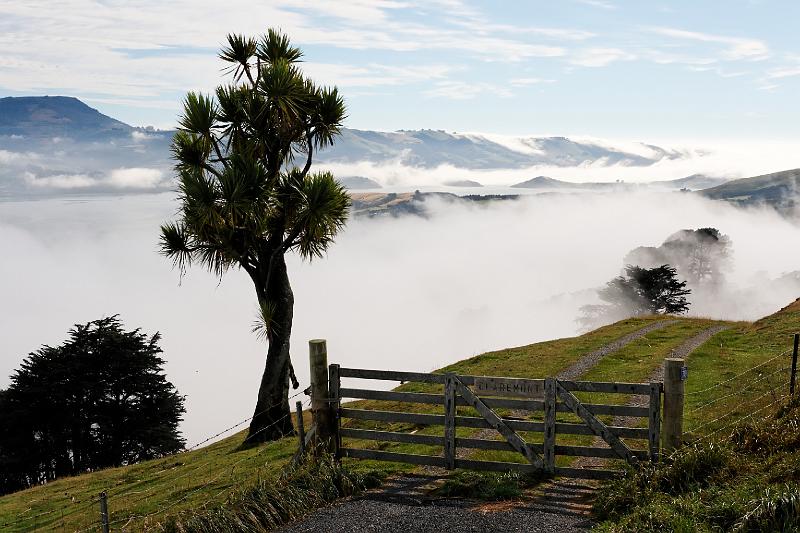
726, 159
406, 294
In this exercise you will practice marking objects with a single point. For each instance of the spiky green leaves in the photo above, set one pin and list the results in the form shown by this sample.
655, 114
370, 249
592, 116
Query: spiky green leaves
275, 46
175, 245
242, 201
329, 114
321, 206
199, 115
239, 51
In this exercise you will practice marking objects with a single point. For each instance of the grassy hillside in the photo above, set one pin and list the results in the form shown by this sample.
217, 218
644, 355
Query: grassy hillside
778, 190
142, 496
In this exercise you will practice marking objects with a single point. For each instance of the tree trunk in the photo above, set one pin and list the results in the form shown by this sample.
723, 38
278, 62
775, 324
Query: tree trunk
272, 416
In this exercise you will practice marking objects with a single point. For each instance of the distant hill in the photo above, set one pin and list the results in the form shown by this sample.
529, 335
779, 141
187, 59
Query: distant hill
358, 182
693, 182
432, 148
462, 183
54, 116
778, 190
544, 182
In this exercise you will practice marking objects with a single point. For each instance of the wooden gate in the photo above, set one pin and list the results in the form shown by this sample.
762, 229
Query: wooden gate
513, 409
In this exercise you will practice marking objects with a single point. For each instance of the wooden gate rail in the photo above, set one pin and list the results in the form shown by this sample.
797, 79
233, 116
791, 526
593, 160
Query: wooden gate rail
493, 403
480, 423
539, 456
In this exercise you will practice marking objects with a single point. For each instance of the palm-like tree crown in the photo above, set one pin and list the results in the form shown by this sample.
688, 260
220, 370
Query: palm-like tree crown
243, 199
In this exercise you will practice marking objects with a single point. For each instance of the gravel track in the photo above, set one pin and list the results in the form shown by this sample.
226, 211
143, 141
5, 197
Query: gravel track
682, 352
579, 368
588, 361
403, 506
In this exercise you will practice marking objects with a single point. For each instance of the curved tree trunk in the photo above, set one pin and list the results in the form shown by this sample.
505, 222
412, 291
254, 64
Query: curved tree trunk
272, 416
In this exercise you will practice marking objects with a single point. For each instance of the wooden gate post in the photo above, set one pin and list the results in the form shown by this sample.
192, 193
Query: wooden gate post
794, 364
321, 411
549, 441
672, 430
449, 421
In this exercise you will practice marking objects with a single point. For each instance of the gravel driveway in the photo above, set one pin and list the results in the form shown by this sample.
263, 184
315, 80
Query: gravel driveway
402, 506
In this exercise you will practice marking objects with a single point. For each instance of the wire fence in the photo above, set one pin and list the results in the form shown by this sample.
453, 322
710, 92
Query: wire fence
57, 522
704, 429
172, 504
769, 384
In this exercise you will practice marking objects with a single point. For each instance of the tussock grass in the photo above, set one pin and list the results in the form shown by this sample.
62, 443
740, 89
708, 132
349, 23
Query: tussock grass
270, 503
486, 485
746, 482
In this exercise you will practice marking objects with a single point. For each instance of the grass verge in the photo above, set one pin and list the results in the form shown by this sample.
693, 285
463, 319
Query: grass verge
748, 481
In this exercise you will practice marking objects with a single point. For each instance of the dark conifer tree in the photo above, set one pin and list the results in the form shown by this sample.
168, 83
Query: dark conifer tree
98, 400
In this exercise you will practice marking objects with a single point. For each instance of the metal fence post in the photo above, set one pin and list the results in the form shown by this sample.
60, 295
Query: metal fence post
675, 374
104, 511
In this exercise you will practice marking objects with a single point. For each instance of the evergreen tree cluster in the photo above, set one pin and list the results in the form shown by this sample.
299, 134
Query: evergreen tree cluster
100, 399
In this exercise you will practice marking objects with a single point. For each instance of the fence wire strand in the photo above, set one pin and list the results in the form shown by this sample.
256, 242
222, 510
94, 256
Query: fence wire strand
738, 392
187, 495
721, 383
705, 425
146, 494
739, 420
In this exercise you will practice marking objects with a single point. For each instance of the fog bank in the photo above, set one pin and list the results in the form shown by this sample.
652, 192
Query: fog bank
406, 294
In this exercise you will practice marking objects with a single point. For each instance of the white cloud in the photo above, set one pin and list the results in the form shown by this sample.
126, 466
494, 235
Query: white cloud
736, 48
374, 75
598, 3
8, 157
61, 181
527, 82
785, 72
600, 57
462, 90
121, 178
136, 178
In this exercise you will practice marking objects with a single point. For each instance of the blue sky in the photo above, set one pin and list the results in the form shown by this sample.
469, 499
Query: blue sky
644, 70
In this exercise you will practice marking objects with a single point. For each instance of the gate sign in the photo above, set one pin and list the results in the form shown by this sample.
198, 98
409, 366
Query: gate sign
522, 388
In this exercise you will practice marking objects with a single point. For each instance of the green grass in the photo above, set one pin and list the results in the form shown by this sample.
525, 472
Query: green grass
750, 481
207, 477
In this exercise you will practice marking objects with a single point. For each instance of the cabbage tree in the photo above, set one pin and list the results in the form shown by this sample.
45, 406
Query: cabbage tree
248, 197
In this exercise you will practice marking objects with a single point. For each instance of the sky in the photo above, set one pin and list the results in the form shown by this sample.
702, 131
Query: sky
712, 70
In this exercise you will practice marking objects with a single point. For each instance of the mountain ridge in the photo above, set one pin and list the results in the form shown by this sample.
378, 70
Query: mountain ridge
40, 117
49, 116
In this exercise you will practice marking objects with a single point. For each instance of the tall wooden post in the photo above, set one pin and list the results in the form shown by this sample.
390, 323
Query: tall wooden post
654, 421
672, 430
104, 512
334, 384
449, 421
794, 364
301, 432
549, 441
320, 406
